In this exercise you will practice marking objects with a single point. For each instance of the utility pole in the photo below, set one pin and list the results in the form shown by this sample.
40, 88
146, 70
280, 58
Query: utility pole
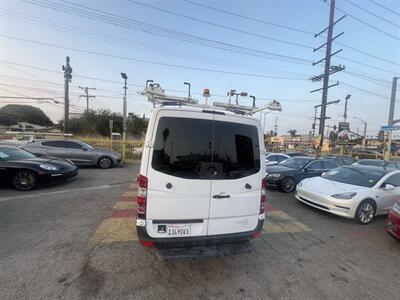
87, 96
315, 114
276, 126
329, 70
125, 115
391, 120
67, 80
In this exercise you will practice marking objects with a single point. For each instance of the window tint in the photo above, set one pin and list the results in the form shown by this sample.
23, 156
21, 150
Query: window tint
280, 158
391, 165
62, 144
355, 176
329, 164
184, 147
394, 180
272, 157
316, 165
236, 149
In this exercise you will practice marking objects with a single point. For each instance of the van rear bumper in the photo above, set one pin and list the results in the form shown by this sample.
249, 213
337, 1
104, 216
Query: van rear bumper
198, 241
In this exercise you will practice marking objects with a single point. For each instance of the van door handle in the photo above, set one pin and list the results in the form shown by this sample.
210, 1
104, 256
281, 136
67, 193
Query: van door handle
221, 196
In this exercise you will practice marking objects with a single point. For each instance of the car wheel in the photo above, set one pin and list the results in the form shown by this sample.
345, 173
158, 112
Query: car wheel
105, 163
288, 185
24, 180
365, 212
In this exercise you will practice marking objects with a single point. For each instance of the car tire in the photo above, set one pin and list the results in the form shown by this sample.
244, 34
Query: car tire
288, 185
105, 163
24, 180
365, 212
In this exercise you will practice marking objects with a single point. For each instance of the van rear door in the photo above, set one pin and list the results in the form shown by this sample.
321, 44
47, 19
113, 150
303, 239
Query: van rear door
236, 189
178, 196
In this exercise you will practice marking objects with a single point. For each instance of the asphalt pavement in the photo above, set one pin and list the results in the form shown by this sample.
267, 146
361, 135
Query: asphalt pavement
76, 241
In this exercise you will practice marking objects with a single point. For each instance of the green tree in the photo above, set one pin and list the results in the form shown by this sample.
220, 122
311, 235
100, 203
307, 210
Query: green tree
23, 113
293, 133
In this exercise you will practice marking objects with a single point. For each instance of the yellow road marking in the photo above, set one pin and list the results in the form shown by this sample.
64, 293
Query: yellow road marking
130, 194
124, 205
278, 221
113, 230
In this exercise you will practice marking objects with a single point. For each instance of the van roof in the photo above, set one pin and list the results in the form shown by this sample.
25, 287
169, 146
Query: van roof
184, 108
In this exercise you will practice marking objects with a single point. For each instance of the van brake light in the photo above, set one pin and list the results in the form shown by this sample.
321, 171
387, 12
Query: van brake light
141, 198
263, 192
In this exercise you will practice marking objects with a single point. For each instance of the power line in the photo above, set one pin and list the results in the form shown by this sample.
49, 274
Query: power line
250, 18
151, 62
384, 7
366, 23
221, 26
371, 13
129, 23
130, 43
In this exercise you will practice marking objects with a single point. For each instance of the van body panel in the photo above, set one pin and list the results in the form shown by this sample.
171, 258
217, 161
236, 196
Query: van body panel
174, 145
179, 166
239, 211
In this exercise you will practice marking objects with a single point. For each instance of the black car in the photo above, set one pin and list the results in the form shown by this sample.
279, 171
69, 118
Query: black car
287, 174
378, 163
341, 159
25, 171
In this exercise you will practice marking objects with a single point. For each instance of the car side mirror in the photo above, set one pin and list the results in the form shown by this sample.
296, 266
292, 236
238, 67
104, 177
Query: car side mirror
388, 187
85, 149
323, 174
308, 170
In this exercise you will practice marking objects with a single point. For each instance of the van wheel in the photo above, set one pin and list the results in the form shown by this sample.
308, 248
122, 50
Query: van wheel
288, 185
365, 212
105, 163
24, 180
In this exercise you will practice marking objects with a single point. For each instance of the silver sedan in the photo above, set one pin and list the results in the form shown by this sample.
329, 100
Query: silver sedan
358, 192
77, 151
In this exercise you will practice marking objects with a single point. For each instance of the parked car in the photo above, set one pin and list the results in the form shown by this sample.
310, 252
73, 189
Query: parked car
79, 152
393, 224
291, 171
341, 160
208, 192
358, 192
25, 171
379, 163
275, 158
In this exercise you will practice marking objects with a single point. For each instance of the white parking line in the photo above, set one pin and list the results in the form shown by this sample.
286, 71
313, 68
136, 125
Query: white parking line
29, 195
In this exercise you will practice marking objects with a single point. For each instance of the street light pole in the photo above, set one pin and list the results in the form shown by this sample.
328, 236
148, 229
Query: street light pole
345, 107
125, 115
365, 131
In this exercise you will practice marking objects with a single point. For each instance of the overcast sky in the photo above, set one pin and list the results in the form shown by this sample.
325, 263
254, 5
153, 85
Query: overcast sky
269, 54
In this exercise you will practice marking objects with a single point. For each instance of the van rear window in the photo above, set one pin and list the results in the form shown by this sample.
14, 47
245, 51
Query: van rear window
205, 149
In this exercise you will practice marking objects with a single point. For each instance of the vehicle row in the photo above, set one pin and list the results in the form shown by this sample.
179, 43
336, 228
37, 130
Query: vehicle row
52, 161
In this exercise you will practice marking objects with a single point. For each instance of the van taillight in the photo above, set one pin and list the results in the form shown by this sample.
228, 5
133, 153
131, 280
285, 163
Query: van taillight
141, 198
263, 192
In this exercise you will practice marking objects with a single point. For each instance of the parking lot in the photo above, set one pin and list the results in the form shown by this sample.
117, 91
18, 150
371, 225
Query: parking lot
77, 241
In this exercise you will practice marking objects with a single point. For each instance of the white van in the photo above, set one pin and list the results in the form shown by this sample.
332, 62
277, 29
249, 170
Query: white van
201, 183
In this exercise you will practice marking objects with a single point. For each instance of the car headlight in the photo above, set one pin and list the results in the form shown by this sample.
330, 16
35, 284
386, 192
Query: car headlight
345, 196
274, 175
49, 167
300, 183
396, 207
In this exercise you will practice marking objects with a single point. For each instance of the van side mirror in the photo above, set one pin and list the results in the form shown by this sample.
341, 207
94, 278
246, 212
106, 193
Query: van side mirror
388, 187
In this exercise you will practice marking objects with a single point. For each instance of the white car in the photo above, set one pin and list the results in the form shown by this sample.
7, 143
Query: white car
357, 192
201, 183
275, 158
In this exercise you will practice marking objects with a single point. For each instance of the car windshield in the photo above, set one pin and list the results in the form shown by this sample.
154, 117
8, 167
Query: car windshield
14, 154
355, 176
295, 163
371, 162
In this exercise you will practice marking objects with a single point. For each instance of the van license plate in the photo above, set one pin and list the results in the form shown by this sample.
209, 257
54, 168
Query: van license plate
178, 229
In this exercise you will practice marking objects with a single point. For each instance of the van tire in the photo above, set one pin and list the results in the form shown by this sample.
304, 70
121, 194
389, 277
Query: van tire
105, 162
288, 185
